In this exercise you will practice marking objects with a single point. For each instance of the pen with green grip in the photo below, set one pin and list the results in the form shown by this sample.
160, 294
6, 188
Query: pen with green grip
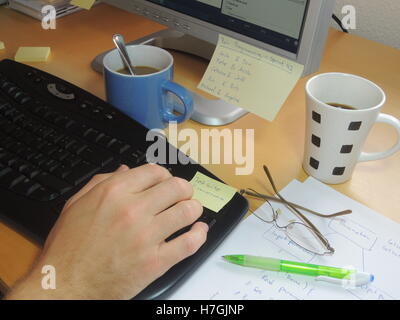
322, 273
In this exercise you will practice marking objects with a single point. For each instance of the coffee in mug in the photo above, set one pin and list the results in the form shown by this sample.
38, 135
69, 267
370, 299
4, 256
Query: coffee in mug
341, 106
139, 70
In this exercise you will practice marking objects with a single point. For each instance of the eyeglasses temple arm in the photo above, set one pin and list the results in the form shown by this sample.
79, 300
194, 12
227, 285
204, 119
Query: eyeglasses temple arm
254, 193
298, 213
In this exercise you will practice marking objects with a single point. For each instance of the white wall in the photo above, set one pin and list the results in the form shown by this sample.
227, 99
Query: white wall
378, 20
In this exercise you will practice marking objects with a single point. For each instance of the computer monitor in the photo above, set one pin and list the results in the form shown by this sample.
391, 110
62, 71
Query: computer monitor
295, 29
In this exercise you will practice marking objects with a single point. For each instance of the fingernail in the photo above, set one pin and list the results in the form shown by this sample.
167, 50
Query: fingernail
204, 226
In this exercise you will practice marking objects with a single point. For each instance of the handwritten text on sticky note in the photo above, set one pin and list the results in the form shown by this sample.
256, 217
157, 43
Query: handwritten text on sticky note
251, 78
211, 193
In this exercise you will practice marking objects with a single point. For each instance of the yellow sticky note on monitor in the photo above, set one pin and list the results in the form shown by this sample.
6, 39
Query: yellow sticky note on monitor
85, 4
249, 77
2, 46
32, 54
211, 193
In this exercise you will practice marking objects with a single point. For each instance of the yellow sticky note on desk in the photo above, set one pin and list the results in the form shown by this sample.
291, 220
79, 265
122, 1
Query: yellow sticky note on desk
85, 4
2, 46
211, 193
32, 54
251, 78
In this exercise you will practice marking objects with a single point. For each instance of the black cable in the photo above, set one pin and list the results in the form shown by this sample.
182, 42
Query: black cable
337, 20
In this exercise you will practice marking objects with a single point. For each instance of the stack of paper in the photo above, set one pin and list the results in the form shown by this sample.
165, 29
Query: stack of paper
364, 240
32, 54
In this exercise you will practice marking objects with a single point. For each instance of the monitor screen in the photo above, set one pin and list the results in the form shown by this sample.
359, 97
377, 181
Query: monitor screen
294, 29
276, 22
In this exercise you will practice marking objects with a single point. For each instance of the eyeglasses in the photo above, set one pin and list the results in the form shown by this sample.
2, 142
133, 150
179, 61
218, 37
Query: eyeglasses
303, 233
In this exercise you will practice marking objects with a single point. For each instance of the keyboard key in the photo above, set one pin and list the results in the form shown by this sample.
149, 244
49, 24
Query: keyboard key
39, 158
4, 170
23, 99
51, 116
77, 147
81, 173
62, 171
10, 113
41, 110
20, 164
119, 147
60, 154
8, 127
44, 194
44, 131
71, 161
49, 148
10, 89
12, 160
7, 142
9, 178
66, 142
16, 147
27, 153
52, 182
25, 187
92, 135
55, 136
106, 141
51, 166
64, 122
5, 155
4, 84
22, 121
33, 126
97, 156
30, 171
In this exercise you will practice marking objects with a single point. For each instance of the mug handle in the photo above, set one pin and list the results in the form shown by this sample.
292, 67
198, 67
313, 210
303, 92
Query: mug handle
186, 98
384, 118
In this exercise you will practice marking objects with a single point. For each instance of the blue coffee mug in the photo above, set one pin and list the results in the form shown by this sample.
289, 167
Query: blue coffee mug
148, 99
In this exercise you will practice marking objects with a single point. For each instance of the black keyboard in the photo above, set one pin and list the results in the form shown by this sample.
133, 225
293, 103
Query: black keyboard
55, 136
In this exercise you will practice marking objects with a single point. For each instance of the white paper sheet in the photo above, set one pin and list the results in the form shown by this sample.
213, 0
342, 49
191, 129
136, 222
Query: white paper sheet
364, 240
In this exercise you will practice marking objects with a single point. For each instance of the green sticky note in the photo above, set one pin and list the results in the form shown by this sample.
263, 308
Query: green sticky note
2, 46
211, 193
32, 54
85, 4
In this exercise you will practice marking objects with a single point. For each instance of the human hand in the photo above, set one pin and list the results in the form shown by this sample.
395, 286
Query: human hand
109, 241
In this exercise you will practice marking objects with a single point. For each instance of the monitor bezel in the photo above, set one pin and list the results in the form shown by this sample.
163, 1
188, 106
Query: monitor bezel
312, 41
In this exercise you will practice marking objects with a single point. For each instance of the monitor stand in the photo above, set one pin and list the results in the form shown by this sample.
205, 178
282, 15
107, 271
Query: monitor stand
206, 111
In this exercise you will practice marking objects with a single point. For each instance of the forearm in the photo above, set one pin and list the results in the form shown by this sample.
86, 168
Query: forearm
30, 288
35, 286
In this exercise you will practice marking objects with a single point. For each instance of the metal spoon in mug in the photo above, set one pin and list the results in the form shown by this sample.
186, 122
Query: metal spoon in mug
120, 44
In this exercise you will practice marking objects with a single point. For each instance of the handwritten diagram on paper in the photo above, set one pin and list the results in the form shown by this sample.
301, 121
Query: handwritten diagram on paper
364, 240
251, 78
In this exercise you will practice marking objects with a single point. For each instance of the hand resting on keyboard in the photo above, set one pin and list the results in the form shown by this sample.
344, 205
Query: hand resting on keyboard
109, 241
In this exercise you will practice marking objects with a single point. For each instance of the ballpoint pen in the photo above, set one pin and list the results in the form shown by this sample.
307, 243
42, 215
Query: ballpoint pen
346, 277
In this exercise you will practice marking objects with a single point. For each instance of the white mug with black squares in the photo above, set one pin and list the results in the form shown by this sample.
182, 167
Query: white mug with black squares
335, 136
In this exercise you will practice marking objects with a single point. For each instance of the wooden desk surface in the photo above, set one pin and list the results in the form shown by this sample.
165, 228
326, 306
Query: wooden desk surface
81, 36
